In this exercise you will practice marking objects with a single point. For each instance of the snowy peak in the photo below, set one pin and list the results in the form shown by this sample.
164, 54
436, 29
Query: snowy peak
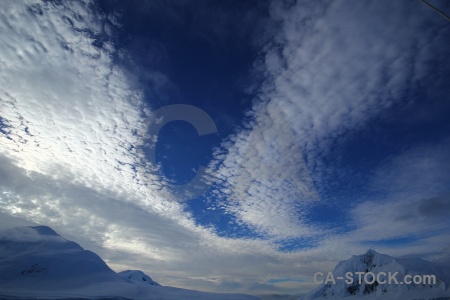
363, 263
38, 263
44, 230
368, 258
373, 275
138, 277
38, 257
30, 234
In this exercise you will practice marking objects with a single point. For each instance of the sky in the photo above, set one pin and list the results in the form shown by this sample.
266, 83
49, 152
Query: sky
228, 146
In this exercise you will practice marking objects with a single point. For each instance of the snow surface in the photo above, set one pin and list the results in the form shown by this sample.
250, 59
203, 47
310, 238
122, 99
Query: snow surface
38, 263
138, 277
375, 262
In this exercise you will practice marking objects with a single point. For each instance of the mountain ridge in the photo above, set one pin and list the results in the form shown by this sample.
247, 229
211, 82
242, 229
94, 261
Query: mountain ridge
38, 263
349, 279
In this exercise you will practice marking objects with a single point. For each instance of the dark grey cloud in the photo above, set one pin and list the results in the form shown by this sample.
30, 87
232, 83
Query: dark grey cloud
435, 207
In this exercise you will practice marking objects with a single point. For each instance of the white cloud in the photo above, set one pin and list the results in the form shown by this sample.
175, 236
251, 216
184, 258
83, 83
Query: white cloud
416, 197
127, 236
400, 175
412, 209
68, 109
333, 68
70, 148
27, 235
70, 157
67, 105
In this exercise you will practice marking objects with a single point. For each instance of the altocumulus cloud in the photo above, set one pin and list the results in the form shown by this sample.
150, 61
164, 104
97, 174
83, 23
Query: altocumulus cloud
330, 71
67, 111
67, 108
72, 132
68, 114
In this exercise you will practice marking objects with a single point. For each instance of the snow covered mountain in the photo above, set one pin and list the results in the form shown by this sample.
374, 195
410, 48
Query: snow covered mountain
38, 263
379, 276
138, 277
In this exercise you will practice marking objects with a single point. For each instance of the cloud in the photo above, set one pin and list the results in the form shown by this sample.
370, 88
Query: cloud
406, 212
127, 236
27, 235
435, 207
68, 111
71, 157
416, 195
72, 136
265, 179
52, 74
74, 124
8, 222
332, 69
399, 175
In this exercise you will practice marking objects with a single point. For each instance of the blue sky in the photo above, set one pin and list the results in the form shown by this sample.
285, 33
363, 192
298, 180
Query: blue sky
326, 121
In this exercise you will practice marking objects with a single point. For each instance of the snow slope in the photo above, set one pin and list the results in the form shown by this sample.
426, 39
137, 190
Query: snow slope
38, 263
377, 263
138, 277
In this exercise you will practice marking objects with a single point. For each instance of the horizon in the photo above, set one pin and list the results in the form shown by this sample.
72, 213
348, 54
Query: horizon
228, 146
45, 235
